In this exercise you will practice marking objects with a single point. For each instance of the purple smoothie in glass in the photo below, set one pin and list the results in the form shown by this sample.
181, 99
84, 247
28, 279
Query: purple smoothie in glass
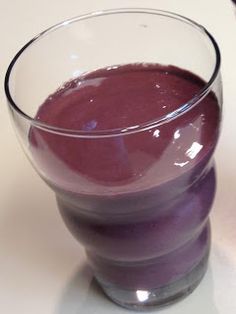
138, 202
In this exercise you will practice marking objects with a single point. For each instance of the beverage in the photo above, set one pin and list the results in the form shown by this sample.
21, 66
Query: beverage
137, 200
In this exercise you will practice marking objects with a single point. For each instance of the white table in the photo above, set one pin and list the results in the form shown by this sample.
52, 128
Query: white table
42, 268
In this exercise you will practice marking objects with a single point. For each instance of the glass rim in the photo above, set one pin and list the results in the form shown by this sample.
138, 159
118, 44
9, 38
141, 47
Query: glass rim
130, 129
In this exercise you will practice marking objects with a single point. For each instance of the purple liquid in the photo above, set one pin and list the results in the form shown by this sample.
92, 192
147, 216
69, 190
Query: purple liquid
139, 203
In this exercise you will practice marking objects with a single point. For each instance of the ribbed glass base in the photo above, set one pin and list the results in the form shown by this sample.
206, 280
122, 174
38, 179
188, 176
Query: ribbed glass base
142, 300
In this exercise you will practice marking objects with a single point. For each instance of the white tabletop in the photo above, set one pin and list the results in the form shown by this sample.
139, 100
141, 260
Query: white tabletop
42, 268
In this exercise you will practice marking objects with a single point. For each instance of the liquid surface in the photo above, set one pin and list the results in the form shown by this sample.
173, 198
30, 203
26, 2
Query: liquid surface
122, 97
119, 97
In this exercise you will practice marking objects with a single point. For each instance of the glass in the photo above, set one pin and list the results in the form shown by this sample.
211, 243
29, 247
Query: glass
147, 232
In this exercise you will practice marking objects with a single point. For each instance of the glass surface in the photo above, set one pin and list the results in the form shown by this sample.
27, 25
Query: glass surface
137, 196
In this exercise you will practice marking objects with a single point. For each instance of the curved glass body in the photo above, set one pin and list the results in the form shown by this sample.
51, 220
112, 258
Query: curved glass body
137, 196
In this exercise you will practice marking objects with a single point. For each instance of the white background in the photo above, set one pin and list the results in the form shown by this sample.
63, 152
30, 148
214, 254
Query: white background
42, 268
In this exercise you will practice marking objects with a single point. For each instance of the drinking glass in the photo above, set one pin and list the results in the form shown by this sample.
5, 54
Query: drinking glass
137, 198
